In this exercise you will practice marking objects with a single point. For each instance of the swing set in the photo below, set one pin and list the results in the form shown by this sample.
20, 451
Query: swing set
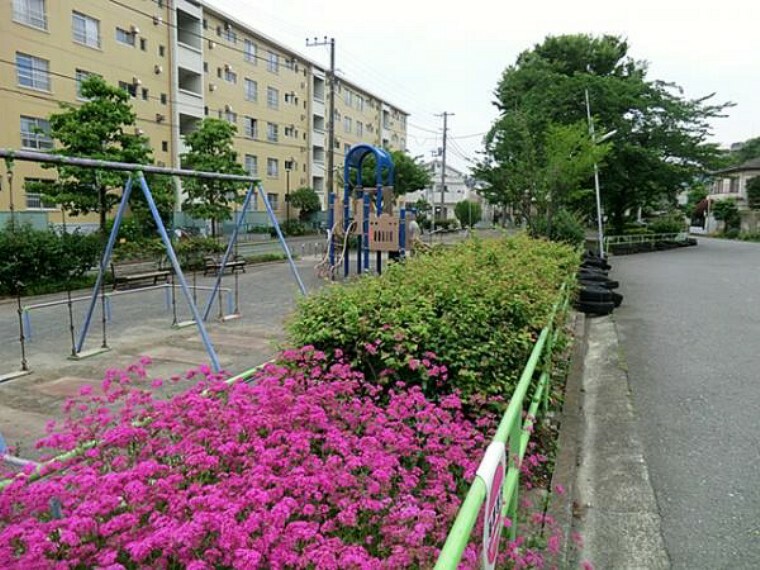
137, 175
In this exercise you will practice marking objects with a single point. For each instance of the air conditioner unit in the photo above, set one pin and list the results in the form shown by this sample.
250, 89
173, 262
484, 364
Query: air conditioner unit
211, 87
157, 20
228, 108
136, 81
157, 69
211, 44
160, 118
134, 29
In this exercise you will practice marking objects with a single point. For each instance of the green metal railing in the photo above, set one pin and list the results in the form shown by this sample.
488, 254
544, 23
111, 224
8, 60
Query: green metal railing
515, 435
642, 238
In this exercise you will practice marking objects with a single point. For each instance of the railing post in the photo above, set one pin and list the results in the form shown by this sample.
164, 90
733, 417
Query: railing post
514, 464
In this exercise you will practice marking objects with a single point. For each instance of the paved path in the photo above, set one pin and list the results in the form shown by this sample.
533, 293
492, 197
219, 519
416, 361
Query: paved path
690, 332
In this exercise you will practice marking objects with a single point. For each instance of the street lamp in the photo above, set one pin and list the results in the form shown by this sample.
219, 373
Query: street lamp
596, 176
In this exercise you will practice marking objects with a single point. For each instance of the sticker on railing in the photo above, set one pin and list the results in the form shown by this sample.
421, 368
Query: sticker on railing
492, 470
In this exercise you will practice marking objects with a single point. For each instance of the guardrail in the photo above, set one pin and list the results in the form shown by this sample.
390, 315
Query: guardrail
507, 447
642, 238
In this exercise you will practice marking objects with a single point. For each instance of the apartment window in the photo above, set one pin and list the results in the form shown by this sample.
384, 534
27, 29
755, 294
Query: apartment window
143, 44
230, 76
251, 89
251, 164
145, 94
130, 88
249, 51
229, 34
273, 199
161, 51
35, 133
291, 98
359, 129
35, 200
81, 75
273, 98
348, 97
33, 72
125, 37
272, 132
290, 63
230, 117
273, 62
290, 131
251, 127
347, 126
205, 66
86, 30
165, 146
31, 13
346, 148
163, 98
360, 103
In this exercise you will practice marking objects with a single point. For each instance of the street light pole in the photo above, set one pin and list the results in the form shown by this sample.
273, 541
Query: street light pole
596, 181
288, 167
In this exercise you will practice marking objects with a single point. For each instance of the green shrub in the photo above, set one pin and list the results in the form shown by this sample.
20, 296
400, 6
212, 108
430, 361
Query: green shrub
446, 224
672, 223
40, 258
637, 231
731, 233
477, 306
749, 236
293, 228
565, 228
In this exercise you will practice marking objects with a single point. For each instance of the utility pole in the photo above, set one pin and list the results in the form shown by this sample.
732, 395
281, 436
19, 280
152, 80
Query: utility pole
600, 227
331, 110
445, 116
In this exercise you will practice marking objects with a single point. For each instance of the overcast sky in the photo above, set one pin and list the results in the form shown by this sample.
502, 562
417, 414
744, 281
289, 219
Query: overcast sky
429, 57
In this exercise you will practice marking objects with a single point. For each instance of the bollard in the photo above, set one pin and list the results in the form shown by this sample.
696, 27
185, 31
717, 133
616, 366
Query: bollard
24, 364
27, 324
103, 312
221, 306
237, 296
303, 250
174, 303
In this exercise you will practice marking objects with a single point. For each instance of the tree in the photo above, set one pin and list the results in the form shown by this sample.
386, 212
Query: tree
210, 150
727, 212
753, 193
660, 143
410, 173
468, 213
748, 150
96, 129
307, 201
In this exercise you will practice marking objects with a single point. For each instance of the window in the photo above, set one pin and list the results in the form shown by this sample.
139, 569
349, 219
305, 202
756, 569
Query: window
346, 148
165, 146
249, 51
290, 131
35, 200
35, 133
251, 90
291, 98
251, 127
81, 75
32, 72
161, 51
145, 94
273, 167
125, 37
274, 199
290, 63
86, 30
272, 132
348, 97
130, 88
359, 129
273, 98
252, 164
143, 44
230, 117
360, 103
347, 124
30, 12
163, 98
230, 76
273, 62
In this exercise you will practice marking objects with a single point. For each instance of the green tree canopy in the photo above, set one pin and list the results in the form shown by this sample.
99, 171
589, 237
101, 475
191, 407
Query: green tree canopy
211, 150
468, 213
410, 173
661, 141
749, 149
753, 193
95, 129
306, 200
727, 212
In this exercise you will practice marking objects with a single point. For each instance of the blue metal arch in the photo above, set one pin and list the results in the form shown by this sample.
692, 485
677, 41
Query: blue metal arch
355, 158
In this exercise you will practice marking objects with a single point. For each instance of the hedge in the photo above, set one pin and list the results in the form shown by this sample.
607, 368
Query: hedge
477, 307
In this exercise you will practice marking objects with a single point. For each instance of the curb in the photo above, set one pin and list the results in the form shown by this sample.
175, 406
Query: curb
562, 507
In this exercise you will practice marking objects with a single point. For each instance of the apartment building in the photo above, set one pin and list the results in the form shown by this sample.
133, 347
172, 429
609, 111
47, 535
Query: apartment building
181, 61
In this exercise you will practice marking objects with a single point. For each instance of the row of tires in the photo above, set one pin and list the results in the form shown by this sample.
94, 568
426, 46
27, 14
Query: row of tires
596, 295
662, 245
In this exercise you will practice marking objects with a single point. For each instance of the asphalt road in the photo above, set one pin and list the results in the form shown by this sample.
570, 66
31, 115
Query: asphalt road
690, 328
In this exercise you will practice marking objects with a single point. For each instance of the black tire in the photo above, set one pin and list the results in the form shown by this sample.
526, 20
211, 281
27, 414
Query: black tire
596, 270
691, 241
595, 262
592, 276
607, 283
595, 294
617, 298
595, 308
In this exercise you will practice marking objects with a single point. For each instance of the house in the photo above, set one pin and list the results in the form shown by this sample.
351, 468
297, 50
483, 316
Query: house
732, 183
456, 190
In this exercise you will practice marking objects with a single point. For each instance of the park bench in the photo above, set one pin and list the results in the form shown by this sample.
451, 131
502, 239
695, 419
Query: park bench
128, 272
214, 264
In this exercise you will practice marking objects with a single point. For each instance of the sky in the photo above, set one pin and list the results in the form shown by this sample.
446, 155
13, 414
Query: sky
429, 57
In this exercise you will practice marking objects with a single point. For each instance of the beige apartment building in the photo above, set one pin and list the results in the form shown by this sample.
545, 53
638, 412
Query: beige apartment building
181, 61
